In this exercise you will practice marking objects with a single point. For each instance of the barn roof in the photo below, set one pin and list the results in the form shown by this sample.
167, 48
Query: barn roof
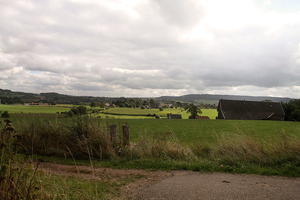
248, 110
202, 117
175, 116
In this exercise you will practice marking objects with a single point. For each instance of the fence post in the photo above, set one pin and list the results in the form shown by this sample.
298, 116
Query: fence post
126, 135
32, 131
114, 133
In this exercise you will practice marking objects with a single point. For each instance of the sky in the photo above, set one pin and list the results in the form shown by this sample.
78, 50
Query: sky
151, 48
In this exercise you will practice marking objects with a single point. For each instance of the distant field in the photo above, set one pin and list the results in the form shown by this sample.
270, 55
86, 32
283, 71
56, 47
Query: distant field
139, 111
34, 108
122, 113
212, 113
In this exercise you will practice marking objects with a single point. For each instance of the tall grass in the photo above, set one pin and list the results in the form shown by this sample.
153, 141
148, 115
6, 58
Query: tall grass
80, 137
21, 177
17, 175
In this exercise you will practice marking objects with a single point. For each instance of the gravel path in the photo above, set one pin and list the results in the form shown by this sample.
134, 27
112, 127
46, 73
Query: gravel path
195, 185
185, 185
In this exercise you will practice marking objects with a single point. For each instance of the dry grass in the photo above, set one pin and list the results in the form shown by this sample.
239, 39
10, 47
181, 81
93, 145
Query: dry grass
85, 138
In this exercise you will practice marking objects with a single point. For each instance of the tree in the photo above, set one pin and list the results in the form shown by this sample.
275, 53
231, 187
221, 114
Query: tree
194, 110
179, 104
102, 105
295, 115
93, 104
292, 110
145, 103
152, 103
82, 110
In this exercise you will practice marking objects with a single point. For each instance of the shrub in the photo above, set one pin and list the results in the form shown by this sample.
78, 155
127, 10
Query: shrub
5, 114
81, 137
17, 177
70, 113
80, 110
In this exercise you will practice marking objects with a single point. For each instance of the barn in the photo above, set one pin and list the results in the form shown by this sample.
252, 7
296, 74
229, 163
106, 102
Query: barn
250, 110
202, 117
175, 116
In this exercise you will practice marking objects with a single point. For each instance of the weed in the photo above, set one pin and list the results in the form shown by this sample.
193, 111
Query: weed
17, 176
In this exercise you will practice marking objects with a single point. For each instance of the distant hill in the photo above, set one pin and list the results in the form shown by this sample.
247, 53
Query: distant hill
8, 96
214, 99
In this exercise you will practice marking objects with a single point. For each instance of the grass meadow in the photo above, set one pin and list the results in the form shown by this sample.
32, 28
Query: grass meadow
118, 113
194, 131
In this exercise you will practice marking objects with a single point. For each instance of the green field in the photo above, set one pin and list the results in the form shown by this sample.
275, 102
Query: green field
212, 113
118, 113
193, 131
35, 108
186, 131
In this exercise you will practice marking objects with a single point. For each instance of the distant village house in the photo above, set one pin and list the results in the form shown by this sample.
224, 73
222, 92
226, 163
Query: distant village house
175, 116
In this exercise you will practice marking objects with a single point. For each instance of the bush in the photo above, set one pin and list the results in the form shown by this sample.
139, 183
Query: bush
70, 113
161, 109
5, 114
18, 178
295, 115
80, 110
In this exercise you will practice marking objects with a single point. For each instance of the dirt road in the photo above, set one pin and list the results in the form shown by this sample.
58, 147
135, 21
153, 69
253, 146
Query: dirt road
185, 185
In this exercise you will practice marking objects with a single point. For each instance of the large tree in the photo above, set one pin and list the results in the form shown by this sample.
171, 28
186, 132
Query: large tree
152, 103
93, 104
194, 110
292, 110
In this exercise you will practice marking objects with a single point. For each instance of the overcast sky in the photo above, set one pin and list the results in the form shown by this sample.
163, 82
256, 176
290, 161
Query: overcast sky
149, 48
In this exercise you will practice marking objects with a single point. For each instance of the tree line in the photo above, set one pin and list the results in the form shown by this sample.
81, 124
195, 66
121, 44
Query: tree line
292, 110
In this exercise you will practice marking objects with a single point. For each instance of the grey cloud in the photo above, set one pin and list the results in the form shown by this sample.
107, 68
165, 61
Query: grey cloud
89, 87
185, 14
91, 47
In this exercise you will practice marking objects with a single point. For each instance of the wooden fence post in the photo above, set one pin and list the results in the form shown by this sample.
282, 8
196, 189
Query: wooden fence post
126, 135
32, 131
114, 133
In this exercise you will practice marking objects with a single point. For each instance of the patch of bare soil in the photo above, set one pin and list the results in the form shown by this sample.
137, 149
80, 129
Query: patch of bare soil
139, 178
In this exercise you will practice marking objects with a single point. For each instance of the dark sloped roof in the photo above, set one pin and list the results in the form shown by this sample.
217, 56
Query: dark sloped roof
202, 117
249, 110
175, 116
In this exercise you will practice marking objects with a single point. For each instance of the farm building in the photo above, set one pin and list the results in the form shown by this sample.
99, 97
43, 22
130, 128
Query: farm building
175, 116
250, 110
